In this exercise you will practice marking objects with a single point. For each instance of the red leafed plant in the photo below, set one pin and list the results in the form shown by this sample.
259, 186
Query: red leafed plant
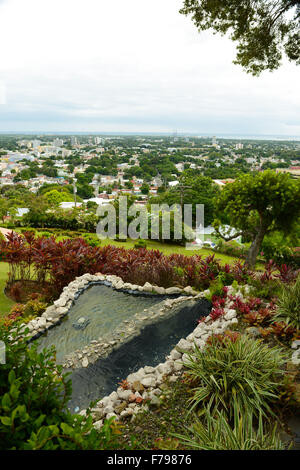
281, 330
217, 313
258, 317
222, 339
124, 384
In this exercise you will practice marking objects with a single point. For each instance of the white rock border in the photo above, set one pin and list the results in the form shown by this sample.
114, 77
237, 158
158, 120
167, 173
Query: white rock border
53, 315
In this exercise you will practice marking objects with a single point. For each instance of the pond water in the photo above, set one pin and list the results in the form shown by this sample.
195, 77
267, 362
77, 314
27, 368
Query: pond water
95, 313
150, 347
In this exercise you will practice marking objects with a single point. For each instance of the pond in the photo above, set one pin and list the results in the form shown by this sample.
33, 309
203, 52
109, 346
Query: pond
150, 347
95, 313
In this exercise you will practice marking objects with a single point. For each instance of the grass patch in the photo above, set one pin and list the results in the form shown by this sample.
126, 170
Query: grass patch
5, 302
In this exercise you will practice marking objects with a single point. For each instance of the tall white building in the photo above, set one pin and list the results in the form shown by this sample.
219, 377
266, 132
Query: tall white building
58, 143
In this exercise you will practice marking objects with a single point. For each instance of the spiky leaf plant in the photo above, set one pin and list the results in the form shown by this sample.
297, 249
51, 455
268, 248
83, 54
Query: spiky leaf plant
245, 371
216, 433
289, 304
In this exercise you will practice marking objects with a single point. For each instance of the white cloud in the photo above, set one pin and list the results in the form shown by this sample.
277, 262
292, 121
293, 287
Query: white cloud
100, 65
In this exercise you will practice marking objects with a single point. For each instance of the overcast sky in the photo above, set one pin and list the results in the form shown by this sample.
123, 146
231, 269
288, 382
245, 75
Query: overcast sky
131, 66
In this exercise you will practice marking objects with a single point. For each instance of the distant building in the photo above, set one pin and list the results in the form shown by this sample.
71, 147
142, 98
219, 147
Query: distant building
58, 143
35, 144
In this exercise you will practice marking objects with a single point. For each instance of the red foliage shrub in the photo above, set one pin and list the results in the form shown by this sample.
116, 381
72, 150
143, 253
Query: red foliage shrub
222, 339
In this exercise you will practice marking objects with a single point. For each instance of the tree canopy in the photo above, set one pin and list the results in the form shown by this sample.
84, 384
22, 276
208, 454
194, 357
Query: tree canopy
264, 30
259, 204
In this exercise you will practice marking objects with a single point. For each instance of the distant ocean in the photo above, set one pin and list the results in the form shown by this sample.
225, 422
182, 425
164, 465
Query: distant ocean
278, 137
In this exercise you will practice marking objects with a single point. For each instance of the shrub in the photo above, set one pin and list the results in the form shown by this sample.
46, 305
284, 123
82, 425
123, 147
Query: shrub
91, 240
45, 234
288, 309
216, 433
33, 403
244, 371
231, 248
140, 244
265, 290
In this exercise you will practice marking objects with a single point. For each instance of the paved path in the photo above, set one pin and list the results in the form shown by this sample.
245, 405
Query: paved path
4, 231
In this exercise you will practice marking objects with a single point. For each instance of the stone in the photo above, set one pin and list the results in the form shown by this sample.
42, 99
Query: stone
108, 409
61, 311
185, 359
124, 394
61, 302
119, 285
295, 344
198, 332
137, 386
85, 362
175, 355
178, 366
184, 345
121, 407
155, 401
126, 413
148, 381
296, 357
230, 314
165, 368
132, 398
97, 413
173, 378
159, 290
41, 323
113, 396
149, 369
189, 290
199, 343
173, 290
98, 424
147, 287
111, 415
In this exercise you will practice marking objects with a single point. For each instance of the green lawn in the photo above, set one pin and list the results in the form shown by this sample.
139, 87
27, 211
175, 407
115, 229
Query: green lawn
170, 249
5, 302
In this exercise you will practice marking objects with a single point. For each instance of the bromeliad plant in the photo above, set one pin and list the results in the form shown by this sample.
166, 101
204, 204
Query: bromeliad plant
288, 309
242, 371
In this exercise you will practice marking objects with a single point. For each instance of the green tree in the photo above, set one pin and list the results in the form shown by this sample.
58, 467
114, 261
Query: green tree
258, 204
145, 188
263, 29
55, 197
37, 215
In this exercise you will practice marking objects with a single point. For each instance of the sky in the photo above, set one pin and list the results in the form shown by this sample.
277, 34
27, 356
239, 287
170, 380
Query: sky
136, 66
